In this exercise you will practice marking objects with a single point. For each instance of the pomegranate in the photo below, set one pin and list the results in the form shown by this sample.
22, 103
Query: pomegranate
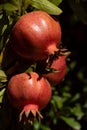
36, 35
60, 70
29, 93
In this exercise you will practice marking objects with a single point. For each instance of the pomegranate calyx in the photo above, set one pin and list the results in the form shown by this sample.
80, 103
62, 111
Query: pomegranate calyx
52, 57
28, 114
64, 52
52, 49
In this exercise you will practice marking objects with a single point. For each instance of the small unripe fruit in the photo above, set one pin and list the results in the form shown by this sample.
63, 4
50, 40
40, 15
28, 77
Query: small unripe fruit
60, 71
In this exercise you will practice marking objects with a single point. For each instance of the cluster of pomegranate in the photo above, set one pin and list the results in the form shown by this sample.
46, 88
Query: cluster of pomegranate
36, 37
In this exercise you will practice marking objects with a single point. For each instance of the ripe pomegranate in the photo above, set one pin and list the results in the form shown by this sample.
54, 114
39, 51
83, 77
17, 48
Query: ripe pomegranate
60, 66
29, 93
35, 35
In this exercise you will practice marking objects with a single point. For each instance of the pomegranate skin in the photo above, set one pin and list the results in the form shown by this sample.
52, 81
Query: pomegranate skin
35, 35
29, 93
56, 77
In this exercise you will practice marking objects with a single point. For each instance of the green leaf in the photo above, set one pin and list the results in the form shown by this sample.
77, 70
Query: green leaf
75, 97
56, 2
44, 127
25, 4
66, 96
71, 122
3, 24
1, 94
3, 77
59, 102
80, 75
15, 2
47, 6
77, 111
1, 55
8, 7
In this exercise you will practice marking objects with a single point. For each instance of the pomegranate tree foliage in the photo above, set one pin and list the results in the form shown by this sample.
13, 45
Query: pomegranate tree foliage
68, 105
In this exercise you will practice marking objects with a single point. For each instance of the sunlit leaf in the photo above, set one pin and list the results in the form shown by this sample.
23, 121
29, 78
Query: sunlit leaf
1, 94
47, 6
3, 77
56, 2
71, 122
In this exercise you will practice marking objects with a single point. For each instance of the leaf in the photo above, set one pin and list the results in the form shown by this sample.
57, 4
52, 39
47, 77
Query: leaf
44, 127
2, 73
47, 6
1, 55
80, 75
25, 4
1, 94
71, 122
56, 2
3, 24
59, 102
15, 2
3, 77
8, 7
72, 65
77, 111
66, 96
75, 98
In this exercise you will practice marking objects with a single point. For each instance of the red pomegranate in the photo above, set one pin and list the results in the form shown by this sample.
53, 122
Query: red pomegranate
60, 66
36, 35
29, 93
